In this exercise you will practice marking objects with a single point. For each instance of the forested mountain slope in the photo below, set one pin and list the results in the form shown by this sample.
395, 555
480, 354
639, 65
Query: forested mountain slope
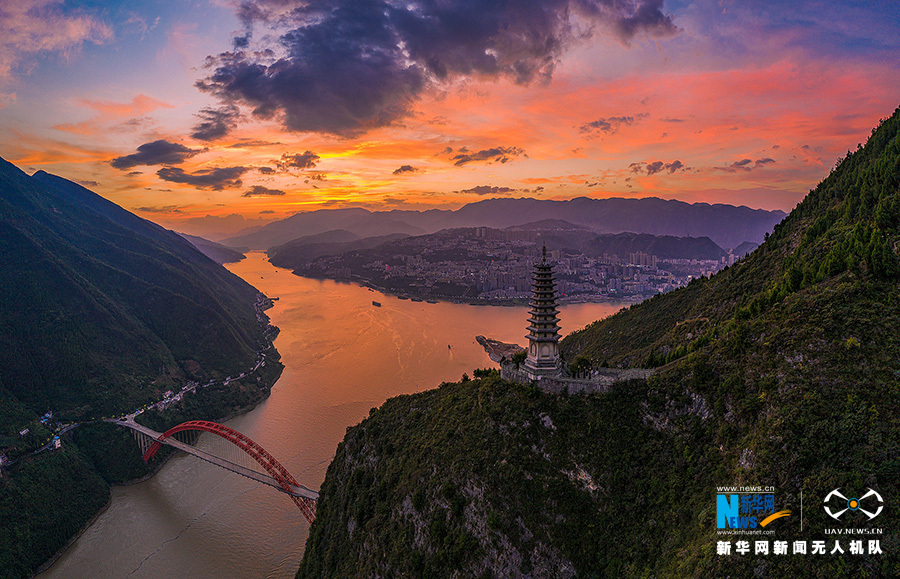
781, 371
101, 312
96, 303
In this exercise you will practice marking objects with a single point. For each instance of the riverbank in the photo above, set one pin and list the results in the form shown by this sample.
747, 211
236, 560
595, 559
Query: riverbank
472, 301
47, 511
49, 562
157, 466
205, 522
173, 415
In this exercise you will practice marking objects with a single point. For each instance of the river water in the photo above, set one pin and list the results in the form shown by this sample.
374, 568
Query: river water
342, 357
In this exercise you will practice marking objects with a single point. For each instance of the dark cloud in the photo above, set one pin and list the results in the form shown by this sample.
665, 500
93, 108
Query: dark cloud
156, 153
252, 143
88, 183
266, 170
158, 209
266, 211
492, 155
488, 190
133, 173
746, 165
349, 66
671, 120
215, 179
406, 169
305, 160
259, 190
598, 125
609, 125
657, 167
216, 122
646, 16
132, 124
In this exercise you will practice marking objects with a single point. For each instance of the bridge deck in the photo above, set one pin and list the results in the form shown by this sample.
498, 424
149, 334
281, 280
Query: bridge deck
297, 491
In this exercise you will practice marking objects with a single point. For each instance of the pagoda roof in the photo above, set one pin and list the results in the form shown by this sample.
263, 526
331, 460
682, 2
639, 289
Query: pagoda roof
534, 320
533, 338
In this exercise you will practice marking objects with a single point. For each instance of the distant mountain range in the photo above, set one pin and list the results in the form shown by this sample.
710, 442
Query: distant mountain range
215, 251
726, 225
358, 222
662, 246
333, 242
553, 233
779, 371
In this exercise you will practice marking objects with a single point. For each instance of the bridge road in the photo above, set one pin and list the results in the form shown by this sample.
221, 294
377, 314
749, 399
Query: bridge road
297, 491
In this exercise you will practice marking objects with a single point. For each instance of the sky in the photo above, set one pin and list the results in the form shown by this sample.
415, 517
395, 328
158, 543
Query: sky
208, 116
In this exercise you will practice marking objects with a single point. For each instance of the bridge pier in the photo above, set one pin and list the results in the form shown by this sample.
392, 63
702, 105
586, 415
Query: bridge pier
143, 440
182, 436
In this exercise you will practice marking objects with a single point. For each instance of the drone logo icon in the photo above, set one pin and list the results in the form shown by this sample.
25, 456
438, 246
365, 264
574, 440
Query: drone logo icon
853, 504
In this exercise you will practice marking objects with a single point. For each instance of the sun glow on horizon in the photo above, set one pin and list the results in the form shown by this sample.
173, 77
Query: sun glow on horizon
691, 104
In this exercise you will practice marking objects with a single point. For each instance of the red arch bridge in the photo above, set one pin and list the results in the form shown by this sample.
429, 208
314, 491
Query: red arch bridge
237, 453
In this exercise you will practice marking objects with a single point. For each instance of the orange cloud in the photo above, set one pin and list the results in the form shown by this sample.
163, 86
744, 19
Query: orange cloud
34, 150
108, 111
139, 105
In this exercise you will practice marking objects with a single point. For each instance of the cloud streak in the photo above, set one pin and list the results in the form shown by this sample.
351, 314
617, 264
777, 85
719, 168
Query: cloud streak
159, 152
609, 125
260, 191
489, 190
109, 111
493, 155
651, 168
746, 165
215, 179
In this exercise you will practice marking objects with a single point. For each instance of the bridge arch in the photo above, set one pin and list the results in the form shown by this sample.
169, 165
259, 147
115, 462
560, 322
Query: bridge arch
285, 479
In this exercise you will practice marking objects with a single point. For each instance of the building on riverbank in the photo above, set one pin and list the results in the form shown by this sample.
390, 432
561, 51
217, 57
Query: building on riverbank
542, 364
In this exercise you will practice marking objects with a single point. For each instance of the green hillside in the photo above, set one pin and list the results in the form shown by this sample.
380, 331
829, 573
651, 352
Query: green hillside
101, 312
97, 304
662, 246
780, 371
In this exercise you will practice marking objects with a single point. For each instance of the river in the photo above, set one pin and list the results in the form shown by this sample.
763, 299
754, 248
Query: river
342, 357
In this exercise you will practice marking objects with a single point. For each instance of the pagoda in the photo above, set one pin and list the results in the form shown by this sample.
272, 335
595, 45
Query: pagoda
543, 331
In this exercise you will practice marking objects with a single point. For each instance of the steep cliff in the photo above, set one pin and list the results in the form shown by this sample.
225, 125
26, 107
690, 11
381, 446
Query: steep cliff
780, 371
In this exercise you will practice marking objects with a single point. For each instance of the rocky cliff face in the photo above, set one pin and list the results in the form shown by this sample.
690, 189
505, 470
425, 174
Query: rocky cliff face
780, 371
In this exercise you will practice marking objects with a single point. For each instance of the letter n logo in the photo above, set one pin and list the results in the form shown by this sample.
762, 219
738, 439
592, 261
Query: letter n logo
725, 509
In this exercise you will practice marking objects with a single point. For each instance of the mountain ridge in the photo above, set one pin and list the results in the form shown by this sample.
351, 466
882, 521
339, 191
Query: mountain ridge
101, 312
726, 225
778, 372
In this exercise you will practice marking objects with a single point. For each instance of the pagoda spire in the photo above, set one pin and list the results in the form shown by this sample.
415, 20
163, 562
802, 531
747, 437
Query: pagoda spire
543, 331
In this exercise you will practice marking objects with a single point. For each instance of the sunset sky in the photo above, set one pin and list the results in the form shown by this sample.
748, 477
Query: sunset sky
211, 115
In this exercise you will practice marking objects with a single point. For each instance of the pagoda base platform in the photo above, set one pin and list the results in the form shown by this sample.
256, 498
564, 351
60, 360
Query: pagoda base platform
599, 382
